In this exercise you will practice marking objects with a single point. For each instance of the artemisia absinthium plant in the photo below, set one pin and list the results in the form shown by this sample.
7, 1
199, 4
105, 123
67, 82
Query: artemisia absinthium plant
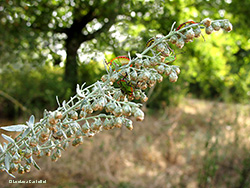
74, 120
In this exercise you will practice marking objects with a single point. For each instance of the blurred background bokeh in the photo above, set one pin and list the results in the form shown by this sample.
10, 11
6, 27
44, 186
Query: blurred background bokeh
196, 132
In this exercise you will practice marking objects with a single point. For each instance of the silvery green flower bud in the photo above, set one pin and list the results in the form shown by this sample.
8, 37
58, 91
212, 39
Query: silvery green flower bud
13, 167
73, 115
165, 53
146, 63
110, 107
117, 95
177, 70
216, 25
104, 77
85, 127
36, 150
106, 124
206, 22
94, 106
101, 103
197, 32
83, 114
160, 69
159, 78
144, 97
65, 145
96, 125
16, 158
139, 115
152, 79
173, 39
190, 34
88, 109
118, 122
126, 110
124, 72
180, 42
227, 26
138, 63
78, 133
58, 134
173, 77
143, 86
129, 124
209, 30
58, 115
33, 141
21, 169
133, 75
118, 111
114, 78
168, 70
47, 152
160, 47
58, 153
27, 168
137, 94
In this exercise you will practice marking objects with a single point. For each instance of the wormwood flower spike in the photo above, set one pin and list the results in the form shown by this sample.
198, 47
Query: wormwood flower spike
125, 81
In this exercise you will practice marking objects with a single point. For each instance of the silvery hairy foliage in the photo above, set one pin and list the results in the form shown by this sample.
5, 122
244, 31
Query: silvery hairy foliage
118, 93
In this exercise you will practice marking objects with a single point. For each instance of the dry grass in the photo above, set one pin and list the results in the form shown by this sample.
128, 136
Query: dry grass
198, 144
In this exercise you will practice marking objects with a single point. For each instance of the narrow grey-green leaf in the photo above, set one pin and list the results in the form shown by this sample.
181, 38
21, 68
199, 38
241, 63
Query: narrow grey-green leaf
31, 121
27, 131
9, 139
36, 165
1, 148
17, 128
7, 161
10, 174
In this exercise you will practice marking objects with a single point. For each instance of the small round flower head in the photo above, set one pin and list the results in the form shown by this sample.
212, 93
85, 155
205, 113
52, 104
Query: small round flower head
173, 39
160, 47
85, 127
58, 115
190, 34
160, 69
129, 124
159, 78
101, 103
118, 122
96, 125
180, 42
173, 77
137, 95
110, 107
21, 169
139, 115
126, 110
138, 63
144, 97
197, 32
206, 22
146, 63
94, 106
106, 124
133, 75
114, 78
227, 26
216, 25
118, 111
83, 114
177, 70
209, 30
69, 133
104, 77
16, 158
73, 115
168, 71
27, 168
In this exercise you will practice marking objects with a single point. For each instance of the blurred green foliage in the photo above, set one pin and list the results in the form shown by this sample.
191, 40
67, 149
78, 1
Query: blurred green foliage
34, 37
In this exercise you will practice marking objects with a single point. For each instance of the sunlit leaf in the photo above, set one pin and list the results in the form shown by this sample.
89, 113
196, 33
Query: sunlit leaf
16, 128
